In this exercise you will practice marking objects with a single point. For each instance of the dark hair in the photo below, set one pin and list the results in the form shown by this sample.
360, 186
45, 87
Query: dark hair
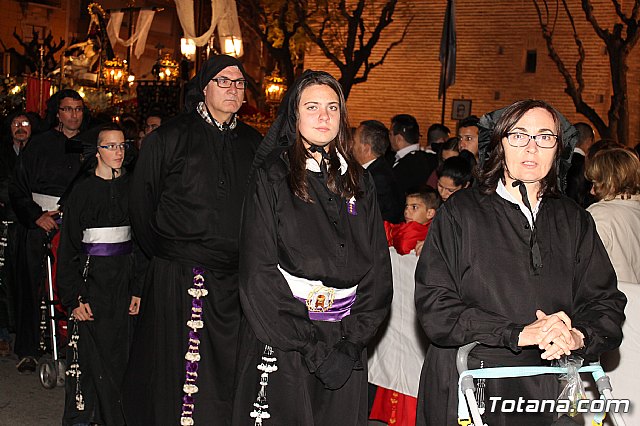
470, 121
429, 197
452, 144
585, 133
375, 134
494, 169
456, 168
601, 145
109, 127
155, 111
129, 127
436, 131
348, 185
407, 126
53, 105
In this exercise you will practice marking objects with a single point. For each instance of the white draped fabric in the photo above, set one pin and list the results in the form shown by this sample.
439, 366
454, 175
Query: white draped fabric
188, 23
397, 359
224, 16
145, 18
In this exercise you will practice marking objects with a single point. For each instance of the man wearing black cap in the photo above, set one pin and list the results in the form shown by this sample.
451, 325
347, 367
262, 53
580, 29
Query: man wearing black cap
186, 199
43, 171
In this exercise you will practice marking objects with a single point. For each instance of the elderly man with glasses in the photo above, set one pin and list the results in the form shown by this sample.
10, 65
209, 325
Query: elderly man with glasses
186, 198
42, 174
16, 133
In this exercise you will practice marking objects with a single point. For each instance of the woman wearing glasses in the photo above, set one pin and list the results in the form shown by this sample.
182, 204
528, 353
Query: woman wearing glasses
516, 266
97, 282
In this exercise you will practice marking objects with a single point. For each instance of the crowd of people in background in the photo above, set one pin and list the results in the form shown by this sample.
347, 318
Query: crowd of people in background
213, 276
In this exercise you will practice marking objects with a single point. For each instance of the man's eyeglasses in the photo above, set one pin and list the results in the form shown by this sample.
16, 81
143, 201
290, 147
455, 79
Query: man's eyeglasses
69, 109
115, 146
520, 140
21, 124
225, 83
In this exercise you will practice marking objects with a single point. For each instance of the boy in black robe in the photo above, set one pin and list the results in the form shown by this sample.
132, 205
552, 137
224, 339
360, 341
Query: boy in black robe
97, 282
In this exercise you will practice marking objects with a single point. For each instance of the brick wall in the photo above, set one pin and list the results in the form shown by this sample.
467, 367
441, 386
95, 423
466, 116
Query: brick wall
492, 38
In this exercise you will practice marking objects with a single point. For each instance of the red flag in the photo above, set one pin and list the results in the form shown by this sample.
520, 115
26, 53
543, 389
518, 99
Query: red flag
37, 96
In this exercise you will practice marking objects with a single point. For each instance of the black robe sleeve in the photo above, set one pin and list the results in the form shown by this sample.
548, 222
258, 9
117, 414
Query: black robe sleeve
145, 190
70, 258
445, 317
22, 202
276, 317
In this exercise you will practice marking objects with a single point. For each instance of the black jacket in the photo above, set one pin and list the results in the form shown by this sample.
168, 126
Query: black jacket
413, 170
390, 195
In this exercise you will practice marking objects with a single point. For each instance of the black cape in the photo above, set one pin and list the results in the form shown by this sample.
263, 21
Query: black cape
474, 282
111, 281
186, 201
317, 241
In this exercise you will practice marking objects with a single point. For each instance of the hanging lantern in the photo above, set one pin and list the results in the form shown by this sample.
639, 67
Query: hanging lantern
188, 48
231, 46
167, 68
114, 72
274, 87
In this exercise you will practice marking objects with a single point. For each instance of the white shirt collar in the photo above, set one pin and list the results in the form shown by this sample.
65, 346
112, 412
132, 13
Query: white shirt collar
502, 191
579, 151
407, 149
427, 149
312, 165
368, 163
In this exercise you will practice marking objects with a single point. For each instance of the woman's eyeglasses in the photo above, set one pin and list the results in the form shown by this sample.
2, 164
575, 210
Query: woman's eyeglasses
520, 140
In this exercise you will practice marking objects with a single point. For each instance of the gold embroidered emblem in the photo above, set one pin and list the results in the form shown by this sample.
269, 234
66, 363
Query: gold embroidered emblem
320, 299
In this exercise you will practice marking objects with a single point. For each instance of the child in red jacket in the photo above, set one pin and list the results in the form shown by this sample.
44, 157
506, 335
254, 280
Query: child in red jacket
389, 406
419, 211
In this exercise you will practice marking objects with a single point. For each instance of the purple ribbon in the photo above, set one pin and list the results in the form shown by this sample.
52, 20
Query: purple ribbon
107, 249
340, 309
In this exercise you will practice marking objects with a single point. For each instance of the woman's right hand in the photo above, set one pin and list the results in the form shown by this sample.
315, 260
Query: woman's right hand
551, 333
83, 312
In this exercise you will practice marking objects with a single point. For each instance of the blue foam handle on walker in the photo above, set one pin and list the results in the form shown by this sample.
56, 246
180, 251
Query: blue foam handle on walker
505, 372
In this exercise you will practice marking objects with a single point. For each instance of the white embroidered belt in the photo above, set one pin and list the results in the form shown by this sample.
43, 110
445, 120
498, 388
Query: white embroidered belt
323, 303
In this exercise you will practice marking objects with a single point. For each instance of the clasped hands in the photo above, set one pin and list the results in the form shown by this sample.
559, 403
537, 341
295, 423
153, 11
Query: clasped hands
553, 334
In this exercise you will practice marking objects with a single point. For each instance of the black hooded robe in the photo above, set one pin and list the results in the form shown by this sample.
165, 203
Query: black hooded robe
474, 282
186, 202
103, 345
44, 167
317, 241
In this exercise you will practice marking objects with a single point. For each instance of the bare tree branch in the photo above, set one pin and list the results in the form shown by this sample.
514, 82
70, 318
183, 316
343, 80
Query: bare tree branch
624, 18
573, 90
369, 67
353, 59
588, 10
